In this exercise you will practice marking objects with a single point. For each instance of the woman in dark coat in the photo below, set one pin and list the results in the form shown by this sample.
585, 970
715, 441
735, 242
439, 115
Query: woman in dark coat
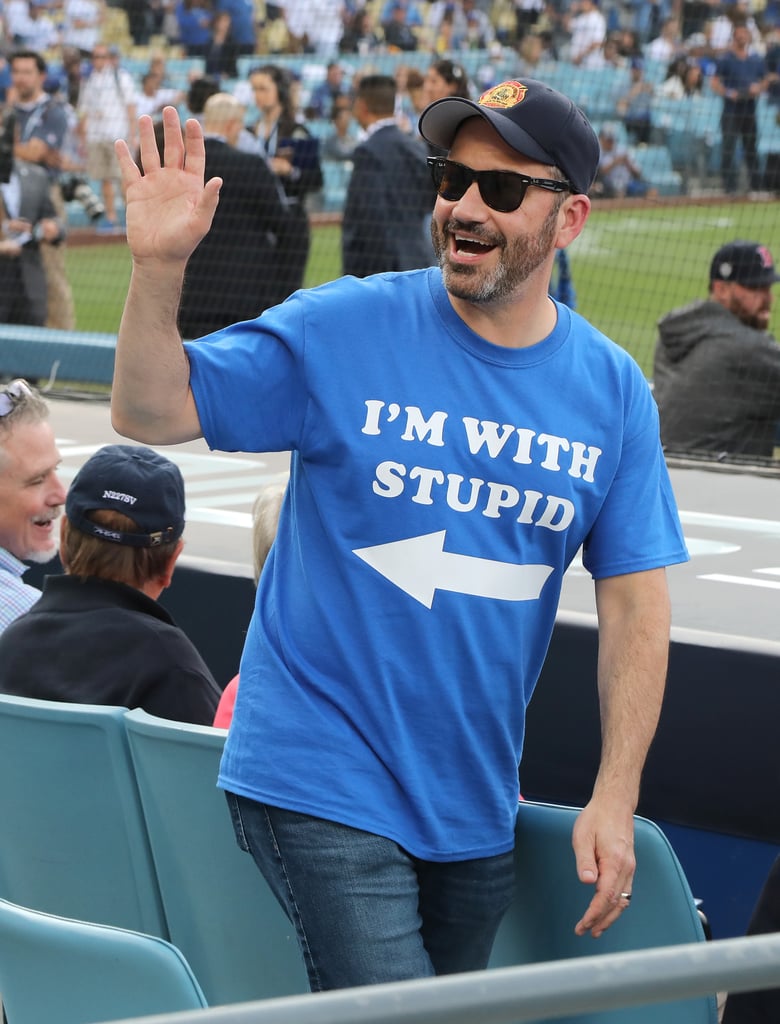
293, 155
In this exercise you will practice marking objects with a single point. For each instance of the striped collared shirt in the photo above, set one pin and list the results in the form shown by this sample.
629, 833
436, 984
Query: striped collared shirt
16, 597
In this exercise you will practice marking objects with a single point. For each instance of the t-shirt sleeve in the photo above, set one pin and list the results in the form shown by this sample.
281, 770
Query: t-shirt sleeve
638, 526
248, 382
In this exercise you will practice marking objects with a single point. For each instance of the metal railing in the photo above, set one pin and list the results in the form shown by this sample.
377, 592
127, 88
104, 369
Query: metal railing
533, 992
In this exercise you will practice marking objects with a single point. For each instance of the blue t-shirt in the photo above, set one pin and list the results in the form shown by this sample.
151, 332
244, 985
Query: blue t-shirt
440, 486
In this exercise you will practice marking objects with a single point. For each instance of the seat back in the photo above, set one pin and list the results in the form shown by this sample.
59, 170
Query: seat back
73, 839
219, 910
56, 969
550, 900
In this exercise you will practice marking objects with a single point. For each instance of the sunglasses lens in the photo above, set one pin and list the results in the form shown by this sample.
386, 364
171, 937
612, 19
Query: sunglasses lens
502, 191
452, 180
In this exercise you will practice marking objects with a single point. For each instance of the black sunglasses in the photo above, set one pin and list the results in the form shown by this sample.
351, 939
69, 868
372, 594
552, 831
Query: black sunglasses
503, 191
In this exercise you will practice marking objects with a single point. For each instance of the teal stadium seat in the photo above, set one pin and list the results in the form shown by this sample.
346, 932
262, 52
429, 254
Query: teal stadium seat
220, 912
72, 835
550, 899
73, 972
655, 163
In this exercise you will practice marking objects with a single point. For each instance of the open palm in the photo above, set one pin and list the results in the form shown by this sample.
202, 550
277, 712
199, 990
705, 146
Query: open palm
168, 207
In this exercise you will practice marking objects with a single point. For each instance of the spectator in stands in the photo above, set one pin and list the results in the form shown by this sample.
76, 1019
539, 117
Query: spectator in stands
153, 96
340, 143
98, 634
445, 22
667, 44
684, 77
265, 518
28, 223
399, 34
41, 137
390, 195
588, 30
243, 32
31, 494
107, 112
634, 104
359, 35
324, 95
619, 176
222, 52
740, 79
237, 270
479, 34
717, 368
193, 19
82, 21
29, 24
293, 155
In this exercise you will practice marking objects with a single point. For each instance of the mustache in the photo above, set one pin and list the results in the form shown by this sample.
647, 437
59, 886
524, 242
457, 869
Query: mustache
478, 231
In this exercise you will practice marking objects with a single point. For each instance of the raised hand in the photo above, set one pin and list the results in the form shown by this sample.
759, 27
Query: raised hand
169, 208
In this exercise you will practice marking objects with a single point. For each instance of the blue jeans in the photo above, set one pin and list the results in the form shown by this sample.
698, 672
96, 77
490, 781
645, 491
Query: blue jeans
365, 911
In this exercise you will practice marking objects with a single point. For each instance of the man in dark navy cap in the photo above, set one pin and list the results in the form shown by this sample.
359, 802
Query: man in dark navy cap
456, 436
98, 635
717, 367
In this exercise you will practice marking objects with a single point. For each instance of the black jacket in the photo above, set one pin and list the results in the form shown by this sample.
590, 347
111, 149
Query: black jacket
95, 641
389, 201
234, 272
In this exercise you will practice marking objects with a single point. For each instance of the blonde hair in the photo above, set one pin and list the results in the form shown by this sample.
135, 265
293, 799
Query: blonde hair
265, 520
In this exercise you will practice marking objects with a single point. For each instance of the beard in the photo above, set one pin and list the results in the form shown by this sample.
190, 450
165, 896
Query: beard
518, 259
756, 318
44, 555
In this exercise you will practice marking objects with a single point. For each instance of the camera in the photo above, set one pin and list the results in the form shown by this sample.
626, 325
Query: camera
74, 186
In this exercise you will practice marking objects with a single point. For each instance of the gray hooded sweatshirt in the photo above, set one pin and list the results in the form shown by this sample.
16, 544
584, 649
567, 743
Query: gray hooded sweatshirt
717, 382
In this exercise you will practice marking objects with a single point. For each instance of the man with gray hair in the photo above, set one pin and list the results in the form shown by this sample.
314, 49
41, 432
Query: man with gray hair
31, 494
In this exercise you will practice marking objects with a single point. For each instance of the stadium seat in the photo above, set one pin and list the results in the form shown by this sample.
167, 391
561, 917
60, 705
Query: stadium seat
73, 972
550, 899
73, 838
219, 910
655, 163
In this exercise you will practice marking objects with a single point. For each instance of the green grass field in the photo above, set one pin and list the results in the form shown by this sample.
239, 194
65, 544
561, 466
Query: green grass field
629, 266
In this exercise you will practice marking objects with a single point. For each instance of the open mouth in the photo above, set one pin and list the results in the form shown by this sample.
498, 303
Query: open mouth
468, 246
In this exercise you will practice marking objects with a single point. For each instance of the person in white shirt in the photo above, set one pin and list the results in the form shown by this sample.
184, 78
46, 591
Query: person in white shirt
153, 97
588, 33
107, 111
82, 21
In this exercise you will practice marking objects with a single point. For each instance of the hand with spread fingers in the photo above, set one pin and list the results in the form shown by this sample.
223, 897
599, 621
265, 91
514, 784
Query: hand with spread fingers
169, 208
604, 849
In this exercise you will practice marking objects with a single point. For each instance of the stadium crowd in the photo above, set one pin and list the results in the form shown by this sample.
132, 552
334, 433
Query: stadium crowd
663, 76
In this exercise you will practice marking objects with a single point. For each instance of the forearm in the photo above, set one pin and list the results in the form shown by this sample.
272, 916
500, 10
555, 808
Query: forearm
634, 619
150, 397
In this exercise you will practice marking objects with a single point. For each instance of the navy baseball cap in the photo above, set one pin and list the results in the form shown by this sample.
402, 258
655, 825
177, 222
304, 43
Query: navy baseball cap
535, 120
136, 481
748, 263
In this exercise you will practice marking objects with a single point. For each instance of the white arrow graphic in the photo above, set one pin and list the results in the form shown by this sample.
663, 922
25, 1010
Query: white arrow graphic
420, 566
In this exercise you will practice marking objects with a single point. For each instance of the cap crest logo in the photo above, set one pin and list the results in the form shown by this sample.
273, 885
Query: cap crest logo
765, 256
508, 94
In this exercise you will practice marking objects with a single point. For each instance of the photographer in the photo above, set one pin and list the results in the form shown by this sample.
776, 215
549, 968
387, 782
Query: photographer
41, 130
27, 219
